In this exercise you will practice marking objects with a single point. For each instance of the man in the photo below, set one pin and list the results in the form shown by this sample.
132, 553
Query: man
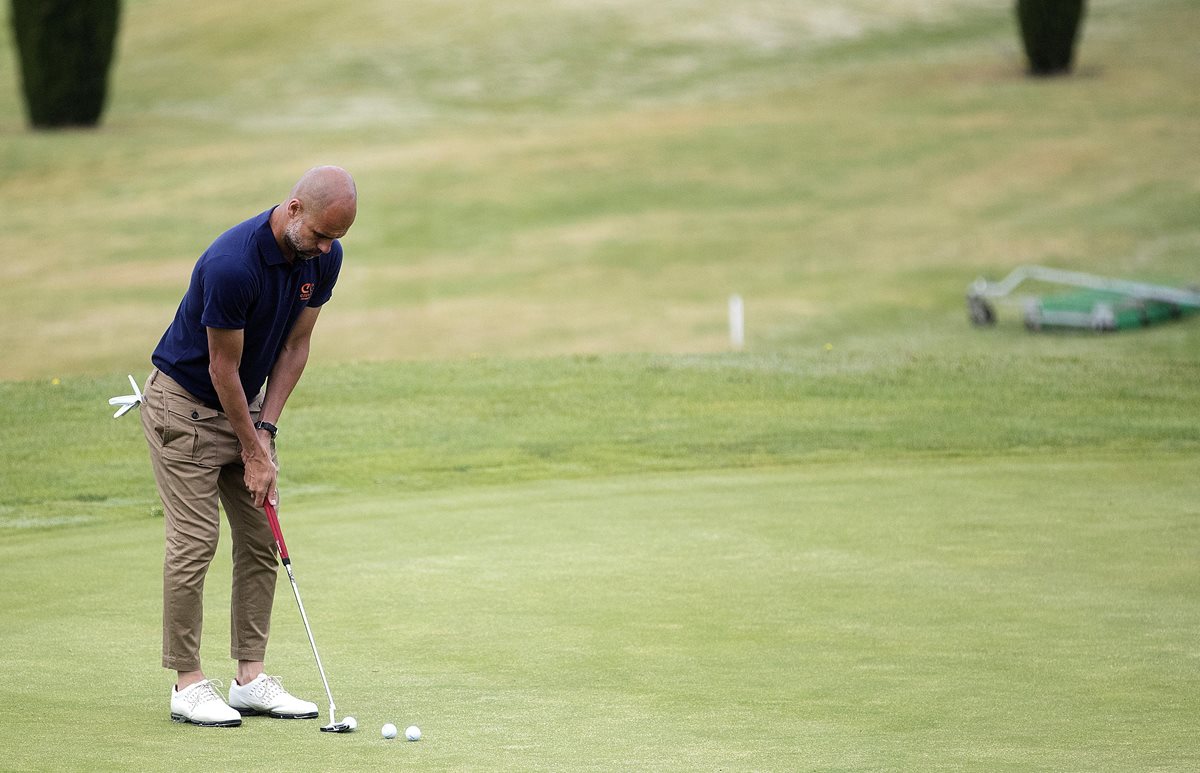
245, 320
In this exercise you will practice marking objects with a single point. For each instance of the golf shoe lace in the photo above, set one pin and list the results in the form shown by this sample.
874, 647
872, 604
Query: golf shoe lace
269, 689
203, 693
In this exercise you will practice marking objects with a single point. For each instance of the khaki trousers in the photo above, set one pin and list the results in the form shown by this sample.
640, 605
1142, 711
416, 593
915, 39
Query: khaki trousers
197, 461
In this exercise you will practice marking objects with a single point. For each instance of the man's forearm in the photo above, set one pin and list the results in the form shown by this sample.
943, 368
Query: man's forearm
283, 379
234, 404
225, 356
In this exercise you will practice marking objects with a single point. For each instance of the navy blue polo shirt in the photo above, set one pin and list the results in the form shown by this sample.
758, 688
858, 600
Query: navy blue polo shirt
243, 282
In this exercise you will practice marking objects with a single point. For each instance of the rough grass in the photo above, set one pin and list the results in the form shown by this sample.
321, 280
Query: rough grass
837, 183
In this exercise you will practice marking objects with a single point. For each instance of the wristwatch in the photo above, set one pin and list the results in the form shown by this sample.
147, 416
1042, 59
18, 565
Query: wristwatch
268, 426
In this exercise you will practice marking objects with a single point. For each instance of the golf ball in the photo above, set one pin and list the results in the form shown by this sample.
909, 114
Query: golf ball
389, 731
351, 721
413, 733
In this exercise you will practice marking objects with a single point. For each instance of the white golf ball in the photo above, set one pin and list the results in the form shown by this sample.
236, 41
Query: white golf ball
389, 731
351, 721
413, 733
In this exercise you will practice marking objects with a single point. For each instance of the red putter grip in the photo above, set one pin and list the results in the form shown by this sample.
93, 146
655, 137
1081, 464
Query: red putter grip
273, 519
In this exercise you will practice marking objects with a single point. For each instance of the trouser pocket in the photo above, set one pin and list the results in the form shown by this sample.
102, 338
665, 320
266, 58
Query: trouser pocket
182, 428
188, 432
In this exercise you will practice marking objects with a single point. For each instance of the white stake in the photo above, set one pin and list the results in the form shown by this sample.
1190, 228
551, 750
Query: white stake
737, 322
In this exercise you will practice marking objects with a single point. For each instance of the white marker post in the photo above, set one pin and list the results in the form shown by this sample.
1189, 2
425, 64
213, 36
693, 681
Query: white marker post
737, 322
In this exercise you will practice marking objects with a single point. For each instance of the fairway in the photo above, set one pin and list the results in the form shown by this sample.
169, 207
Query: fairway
536, 502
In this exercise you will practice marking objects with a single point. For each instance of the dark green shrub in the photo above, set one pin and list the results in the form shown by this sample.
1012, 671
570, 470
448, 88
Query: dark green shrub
65, 49
1049, 29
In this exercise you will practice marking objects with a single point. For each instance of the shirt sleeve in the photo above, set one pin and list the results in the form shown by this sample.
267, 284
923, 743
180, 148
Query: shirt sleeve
331, 266
229, 291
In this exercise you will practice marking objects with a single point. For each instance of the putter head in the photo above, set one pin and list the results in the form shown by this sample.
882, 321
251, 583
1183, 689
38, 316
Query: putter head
337, 727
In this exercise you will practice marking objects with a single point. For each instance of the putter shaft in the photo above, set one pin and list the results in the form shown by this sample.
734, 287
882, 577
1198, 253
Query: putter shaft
273, 519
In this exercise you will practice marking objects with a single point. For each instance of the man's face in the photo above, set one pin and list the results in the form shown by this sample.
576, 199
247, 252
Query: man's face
312, 235
303, 240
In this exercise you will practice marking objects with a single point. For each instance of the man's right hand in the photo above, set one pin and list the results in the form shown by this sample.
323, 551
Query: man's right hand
260, 474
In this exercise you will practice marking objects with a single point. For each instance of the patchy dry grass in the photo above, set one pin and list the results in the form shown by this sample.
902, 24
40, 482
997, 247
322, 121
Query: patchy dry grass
840, 181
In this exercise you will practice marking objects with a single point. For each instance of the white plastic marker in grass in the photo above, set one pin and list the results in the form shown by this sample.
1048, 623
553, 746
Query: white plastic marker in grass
737, 322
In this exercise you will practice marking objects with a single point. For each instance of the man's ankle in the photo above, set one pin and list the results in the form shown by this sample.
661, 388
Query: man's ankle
186, 679
248, 671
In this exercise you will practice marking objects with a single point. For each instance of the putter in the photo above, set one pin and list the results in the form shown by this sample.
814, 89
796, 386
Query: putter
273, 518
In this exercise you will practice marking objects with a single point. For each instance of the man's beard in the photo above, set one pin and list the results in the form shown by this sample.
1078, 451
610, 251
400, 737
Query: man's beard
289, 238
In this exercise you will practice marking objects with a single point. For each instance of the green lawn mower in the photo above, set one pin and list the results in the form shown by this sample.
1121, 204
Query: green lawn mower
1094, 302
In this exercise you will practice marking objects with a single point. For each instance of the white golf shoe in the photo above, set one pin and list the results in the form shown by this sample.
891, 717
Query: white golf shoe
265, 695
201, 704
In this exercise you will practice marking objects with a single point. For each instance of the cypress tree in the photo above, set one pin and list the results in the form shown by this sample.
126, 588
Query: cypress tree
1049, 29
65, 49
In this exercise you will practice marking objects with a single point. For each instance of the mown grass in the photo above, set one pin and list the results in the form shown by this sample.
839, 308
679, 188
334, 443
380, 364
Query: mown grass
420, 426
1030, 613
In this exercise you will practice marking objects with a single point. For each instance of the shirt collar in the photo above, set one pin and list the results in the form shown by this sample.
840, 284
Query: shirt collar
268, 248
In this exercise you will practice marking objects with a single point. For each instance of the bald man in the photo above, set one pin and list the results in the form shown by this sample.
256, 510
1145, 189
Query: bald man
244, 322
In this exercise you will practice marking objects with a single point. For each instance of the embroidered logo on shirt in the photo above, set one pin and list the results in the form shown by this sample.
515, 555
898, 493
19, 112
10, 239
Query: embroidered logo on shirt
306, 291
